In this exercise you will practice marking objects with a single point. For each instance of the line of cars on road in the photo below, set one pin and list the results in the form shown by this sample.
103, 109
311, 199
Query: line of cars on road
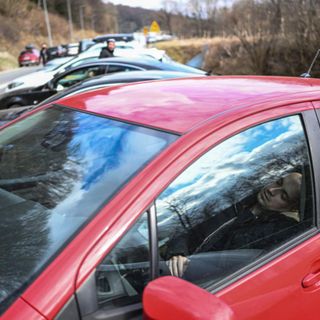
30, 55
92, 54
62, 73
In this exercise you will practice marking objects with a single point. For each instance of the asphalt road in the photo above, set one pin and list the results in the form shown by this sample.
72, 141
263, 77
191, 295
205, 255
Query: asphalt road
7, 76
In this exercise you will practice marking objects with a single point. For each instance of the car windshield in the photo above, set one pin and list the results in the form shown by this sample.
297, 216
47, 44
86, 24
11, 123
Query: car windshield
58, 167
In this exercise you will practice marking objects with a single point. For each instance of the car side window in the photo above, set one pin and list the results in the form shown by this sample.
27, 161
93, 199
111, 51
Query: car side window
78, 75
244, 198
122, 275
120, 68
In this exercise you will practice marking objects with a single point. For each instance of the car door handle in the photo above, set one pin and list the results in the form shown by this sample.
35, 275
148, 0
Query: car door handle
311, 279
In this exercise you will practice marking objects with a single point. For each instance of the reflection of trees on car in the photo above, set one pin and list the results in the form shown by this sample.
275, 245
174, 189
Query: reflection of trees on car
31, 183
54, 176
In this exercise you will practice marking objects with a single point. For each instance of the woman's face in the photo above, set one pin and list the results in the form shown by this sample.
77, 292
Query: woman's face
282, 194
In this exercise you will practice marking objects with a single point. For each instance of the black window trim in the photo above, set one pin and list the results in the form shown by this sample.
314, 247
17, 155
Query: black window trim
312, 130
153, 242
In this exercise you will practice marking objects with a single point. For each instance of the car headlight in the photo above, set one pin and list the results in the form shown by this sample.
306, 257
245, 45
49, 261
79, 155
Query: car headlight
14, 85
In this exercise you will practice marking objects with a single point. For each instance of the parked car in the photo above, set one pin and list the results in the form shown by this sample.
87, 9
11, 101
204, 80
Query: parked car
98, 82
85, 44
52, 90
117, 79
72, 49
131, 49
56, 52
100, 191
29, 56
42, 77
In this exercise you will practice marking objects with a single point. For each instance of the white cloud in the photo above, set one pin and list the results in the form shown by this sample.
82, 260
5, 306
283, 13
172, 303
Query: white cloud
147, 4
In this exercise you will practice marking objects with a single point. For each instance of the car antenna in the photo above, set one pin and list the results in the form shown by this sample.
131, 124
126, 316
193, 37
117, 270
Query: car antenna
308, 73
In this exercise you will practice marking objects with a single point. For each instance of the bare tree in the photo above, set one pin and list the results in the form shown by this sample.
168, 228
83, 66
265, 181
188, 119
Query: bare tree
252, 21
169, 9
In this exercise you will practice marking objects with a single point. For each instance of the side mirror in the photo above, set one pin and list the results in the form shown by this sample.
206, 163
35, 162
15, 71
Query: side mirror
171, 298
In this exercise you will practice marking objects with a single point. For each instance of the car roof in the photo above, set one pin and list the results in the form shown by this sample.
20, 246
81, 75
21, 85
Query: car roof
116, 36
140, 61
143, 59
178, 105
143, 74
136, 61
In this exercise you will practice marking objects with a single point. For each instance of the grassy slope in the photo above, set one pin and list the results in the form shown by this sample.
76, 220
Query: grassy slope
28, 26
7, 61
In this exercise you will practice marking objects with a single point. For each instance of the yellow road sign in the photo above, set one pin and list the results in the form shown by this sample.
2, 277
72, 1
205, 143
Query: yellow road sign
155, 27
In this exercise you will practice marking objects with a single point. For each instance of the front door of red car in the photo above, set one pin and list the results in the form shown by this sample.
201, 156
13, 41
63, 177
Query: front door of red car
239, 221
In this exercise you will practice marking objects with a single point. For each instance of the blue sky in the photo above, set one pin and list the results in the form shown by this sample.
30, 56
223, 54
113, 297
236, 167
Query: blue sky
147, 4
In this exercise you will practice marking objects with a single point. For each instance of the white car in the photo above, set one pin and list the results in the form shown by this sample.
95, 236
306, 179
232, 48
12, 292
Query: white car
73, 49
41, 77
130, 49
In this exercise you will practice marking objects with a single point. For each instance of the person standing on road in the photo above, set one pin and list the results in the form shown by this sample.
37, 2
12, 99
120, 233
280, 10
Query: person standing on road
43, 54
107, 52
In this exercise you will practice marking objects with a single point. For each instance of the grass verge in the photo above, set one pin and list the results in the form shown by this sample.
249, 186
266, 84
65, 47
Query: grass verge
7, 61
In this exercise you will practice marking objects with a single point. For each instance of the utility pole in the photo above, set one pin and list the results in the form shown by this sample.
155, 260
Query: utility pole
81, 17
93, 22
47, 21
70, 20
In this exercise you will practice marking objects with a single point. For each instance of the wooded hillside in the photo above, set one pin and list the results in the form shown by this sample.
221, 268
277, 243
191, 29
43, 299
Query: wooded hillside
242, 36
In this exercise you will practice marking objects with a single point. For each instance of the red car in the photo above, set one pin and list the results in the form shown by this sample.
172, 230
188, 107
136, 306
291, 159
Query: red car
107, 194
29, 57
